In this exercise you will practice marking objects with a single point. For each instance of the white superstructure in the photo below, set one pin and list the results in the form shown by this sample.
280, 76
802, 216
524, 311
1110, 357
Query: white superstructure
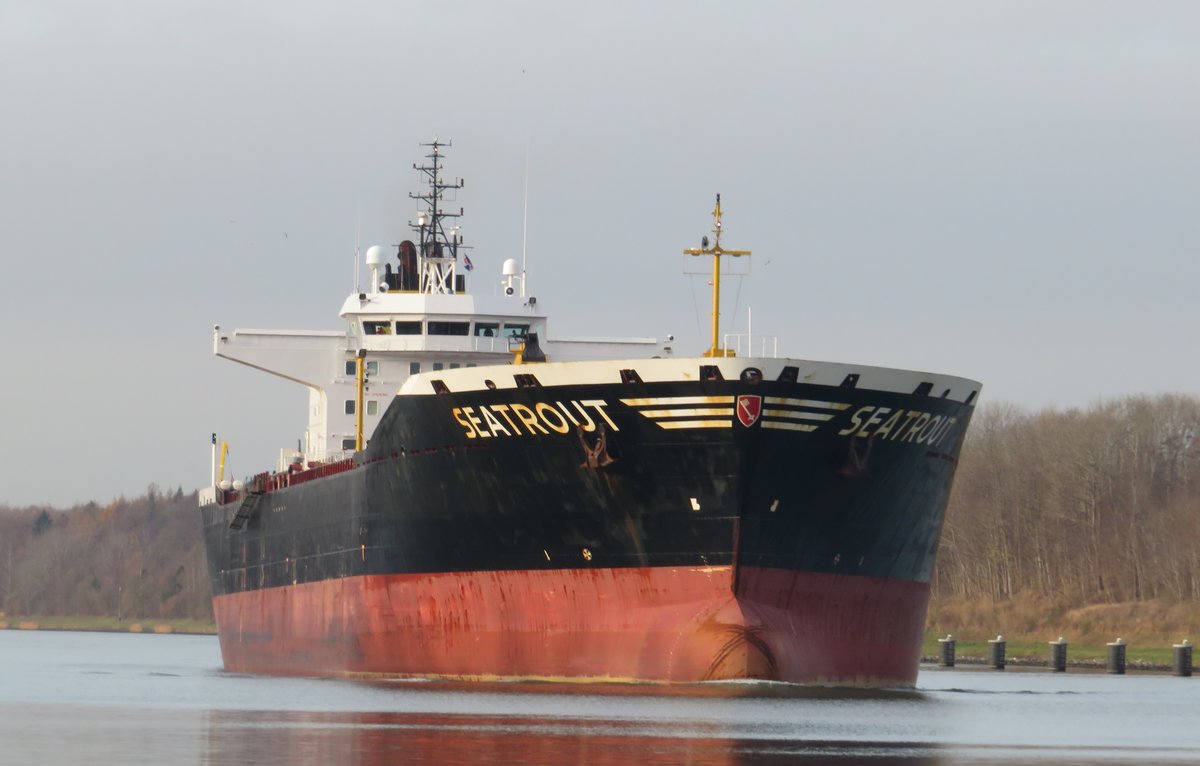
416, 318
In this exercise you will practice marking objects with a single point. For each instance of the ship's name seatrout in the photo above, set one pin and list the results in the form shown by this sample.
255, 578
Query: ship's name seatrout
515, 419
901, 425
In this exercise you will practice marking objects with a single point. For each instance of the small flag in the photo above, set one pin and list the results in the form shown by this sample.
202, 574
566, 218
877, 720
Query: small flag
467, 262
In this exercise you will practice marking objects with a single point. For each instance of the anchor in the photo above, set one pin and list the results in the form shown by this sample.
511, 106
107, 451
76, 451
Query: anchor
596, 456
856, 462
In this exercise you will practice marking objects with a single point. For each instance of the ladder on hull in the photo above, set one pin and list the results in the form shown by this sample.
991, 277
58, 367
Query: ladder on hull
246, 510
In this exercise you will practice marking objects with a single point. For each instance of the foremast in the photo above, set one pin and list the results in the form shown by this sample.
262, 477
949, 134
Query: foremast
716, 251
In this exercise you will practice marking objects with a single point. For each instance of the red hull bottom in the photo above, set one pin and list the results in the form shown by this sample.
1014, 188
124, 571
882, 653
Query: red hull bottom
648, 624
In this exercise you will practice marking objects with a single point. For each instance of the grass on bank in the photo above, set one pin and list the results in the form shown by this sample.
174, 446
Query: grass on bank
1029, 622
105, 624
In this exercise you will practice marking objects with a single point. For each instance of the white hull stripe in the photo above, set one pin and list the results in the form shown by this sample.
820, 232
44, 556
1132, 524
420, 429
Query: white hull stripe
813, 404
787, 426
688, 412
673, 424
680, 400
795, 415
670, 411
782, 413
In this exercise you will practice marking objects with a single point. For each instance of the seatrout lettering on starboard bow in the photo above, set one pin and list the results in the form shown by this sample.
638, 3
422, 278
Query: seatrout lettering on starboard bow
910, 426
606, 512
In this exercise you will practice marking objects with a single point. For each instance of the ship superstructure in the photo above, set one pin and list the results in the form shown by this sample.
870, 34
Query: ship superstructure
416, 315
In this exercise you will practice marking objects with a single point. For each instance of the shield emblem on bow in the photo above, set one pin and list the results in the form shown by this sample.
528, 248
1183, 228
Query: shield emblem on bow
748, 409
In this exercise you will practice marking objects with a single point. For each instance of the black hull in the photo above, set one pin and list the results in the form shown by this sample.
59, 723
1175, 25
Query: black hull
433, 493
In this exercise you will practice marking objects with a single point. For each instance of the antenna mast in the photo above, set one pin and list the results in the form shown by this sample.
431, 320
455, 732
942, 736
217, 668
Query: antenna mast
525, 220
357, 245
437, 250
716, 251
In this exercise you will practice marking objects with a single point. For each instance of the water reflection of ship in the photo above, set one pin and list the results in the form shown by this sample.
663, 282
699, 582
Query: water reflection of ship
387, 738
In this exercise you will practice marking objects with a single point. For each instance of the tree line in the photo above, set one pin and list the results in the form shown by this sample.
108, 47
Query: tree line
1085, 506
130, 559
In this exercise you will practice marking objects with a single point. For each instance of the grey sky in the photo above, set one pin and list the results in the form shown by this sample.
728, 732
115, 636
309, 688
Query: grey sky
1005, 191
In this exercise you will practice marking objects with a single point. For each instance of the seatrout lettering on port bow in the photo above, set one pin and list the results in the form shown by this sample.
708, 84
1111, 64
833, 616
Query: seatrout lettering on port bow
912, 426
543, 418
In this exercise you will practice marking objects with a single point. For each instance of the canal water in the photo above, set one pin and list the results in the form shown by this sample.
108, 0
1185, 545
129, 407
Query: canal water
111, 698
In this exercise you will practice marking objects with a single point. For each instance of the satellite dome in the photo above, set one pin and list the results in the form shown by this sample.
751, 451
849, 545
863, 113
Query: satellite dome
374, 255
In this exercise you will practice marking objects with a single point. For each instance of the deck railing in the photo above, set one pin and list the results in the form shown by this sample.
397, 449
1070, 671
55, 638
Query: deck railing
757, 345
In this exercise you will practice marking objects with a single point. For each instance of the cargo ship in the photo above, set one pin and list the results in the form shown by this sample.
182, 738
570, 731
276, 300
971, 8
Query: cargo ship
476, 498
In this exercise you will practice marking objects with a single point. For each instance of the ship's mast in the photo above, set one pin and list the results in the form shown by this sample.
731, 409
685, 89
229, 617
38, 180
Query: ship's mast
716, 251
437, 248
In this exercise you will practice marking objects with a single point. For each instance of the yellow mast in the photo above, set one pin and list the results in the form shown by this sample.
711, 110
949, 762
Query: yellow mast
358, 405
716, 251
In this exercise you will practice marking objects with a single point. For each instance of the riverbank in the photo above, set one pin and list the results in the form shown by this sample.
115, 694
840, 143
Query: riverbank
106, 624
1033, 618
1029, 623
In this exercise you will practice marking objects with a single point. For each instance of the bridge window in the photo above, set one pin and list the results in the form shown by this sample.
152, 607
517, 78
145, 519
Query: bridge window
377, 328
515, 329
487, 329
449, 328
437, 366
414, 368
408, 328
